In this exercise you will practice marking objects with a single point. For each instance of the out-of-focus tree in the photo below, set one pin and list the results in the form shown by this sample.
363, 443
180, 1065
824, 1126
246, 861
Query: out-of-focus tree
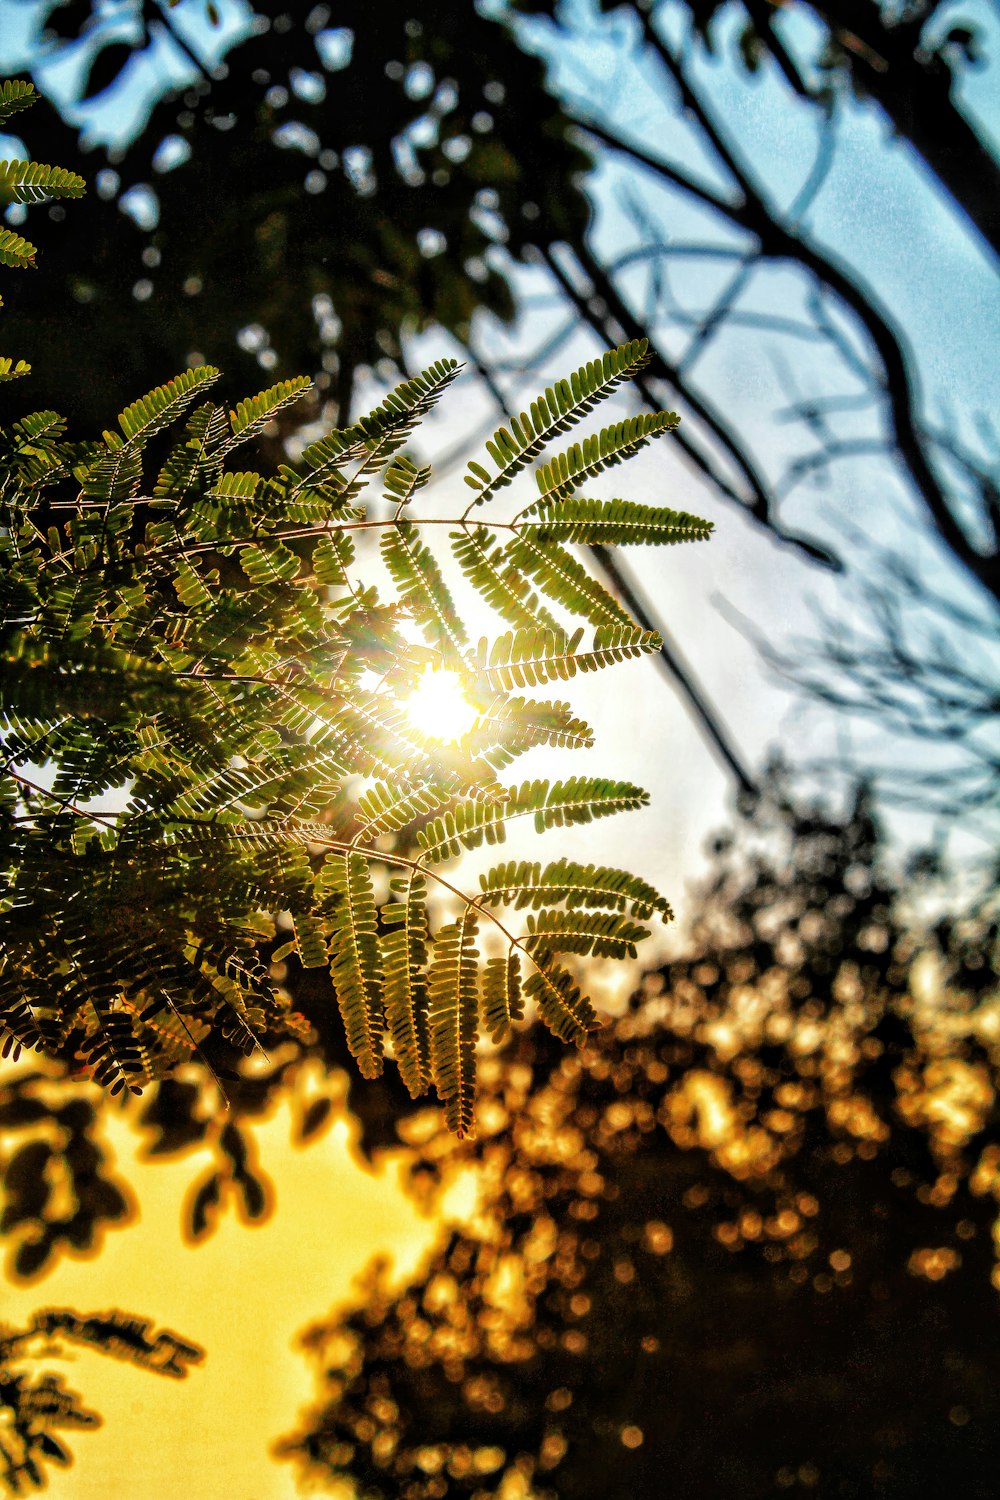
35, 1405
302, 206
743, 1245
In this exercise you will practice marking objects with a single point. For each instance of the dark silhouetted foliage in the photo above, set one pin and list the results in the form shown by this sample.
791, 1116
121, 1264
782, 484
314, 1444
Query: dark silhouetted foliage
740, 1246
335, 184
35, 1405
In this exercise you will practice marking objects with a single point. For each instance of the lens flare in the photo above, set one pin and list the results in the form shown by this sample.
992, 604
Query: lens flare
438, 707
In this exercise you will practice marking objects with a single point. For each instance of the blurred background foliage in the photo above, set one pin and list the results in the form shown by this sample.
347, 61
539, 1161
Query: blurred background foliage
750, 1236
744, 1246
331, 187
748, 1241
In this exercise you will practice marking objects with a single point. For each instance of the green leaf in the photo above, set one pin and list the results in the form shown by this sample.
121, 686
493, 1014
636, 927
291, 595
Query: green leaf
116, 474
252, 415
210, 672
390, 425
33, 182
191, 588
503, 1002
603, 934
525, 658
10, 371
607, 523
564, 580
453, 1018
489, 569
310, 940
418, 578
354, 955
236, 486
565, 1010
269, 562
564, 473
558, 804
509, 726
194, 462
15, 94
16, 251
331, 558
403, 947
528, 884
562, 405
385, 808
163, 405
403, 480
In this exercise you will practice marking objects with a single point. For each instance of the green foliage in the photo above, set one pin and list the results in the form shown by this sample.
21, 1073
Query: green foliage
527, 657
33, 182
567, 471
209, 765
15, 250
563, 405
15, 94
25, 182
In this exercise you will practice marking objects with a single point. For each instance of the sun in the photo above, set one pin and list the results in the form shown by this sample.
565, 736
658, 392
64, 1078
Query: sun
438, 708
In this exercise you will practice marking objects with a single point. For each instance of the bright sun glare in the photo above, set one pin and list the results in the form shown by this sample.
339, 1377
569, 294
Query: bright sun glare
438, 708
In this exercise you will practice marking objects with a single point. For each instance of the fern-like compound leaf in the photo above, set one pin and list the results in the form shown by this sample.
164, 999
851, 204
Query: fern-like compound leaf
252, 416
561, 1004
503, 1001
526, 658
558, 804
310, 939
346, 885
393, 422
489, 569
117, 473
421, 585
332, 557
18, 1027
561, 475
15, 250
612, 523
526, 883
385, 808
9, 370
33, 182
195, 461
403, 946
564, 580
512, 725
453, 1018
403, 480
15, 94
562, 405
222, 701
156, 410
604, 934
